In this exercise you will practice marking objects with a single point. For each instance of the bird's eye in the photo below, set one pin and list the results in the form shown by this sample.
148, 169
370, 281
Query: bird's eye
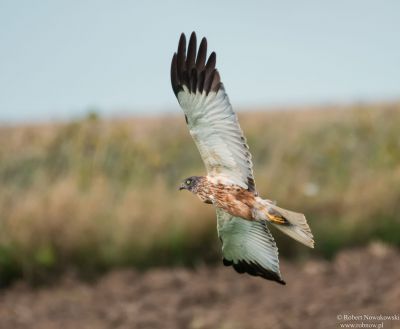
188, 182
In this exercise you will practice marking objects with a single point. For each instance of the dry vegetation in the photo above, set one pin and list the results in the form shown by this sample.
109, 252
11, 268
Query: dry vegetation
95, 194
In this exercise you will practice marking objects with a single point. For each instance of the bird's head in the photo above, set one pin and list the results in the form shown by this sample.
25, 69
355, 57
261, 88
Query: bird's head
190, 184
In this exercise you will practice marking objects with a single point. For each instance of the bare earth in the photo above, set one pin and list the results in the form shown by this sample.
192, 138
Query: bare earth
357, 282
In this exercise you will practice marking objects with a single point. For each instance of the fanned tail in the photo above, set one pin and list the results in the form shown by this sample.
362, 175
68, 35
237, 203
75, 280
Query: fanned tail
292, 223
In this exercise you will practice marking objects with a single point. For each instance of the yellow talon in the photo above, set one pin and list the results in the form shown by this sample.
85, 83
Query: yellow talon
277, 219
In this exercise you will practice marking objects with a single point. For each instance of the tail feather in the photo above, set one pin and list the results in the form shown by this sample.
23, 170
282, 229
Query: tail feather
292, 223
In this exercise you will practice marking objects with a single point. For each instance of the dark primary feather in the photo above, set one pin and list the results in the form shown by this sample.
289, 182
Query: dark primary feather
254, 269
202, 55
191, 70
191, 54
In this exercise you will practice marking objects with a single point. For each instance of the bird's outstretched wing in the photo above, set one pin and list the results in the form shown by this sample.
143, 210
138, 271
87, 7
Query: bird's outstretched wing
248, 246
209, 115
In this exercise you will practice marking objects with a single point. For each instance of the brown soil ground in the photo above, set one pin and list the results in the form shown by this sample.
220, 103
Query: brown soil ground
356, 282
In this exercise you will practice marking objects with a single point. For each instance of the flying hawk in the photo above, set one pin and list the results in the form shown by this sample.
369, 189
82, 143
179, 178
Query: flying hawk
242, 215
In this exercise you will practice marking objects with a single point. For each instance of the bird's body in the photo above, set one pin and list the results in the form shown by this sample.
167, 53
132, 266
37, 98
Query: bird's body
242, 214
234, 199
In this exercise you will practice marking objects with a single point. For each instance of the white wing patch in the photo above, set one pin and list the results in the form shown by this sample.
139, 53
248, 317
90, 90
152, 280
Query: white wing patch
248, 246
217, 134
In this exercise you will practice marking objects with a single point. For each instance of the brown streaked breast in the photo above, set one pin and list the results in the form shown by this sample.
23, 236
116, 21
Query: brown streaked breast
233, 199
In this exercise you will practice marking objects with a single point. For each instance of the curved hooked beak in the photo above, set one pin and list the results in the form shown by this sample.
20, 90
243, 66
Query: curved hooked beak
182, 187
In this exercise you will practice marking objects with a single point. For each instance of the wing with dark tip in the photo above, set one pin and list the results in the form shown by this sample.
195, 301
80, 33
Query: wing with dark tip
248, 246
209, 115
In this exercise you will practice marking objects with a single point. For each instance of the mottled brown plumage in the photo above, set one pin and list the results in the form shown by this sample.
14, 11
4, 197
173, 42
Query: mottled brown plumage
233, 199
229, 186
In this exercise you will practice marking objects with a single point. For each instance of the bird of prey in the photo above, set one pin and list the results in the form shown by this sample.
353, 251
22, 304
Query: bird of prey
242, 215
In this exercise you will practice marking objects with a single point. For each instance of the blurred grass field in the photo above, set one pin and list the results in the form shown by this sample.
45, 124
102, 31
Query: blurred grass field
94, 194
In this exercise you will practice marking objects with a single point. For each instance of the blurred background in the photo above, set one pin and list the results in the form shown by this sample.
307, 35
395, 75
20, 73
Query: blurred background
93, 145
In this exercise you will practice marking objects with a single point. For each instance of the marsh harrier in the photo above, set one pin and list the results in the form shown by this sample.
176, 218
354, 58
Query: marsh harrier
242, 215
